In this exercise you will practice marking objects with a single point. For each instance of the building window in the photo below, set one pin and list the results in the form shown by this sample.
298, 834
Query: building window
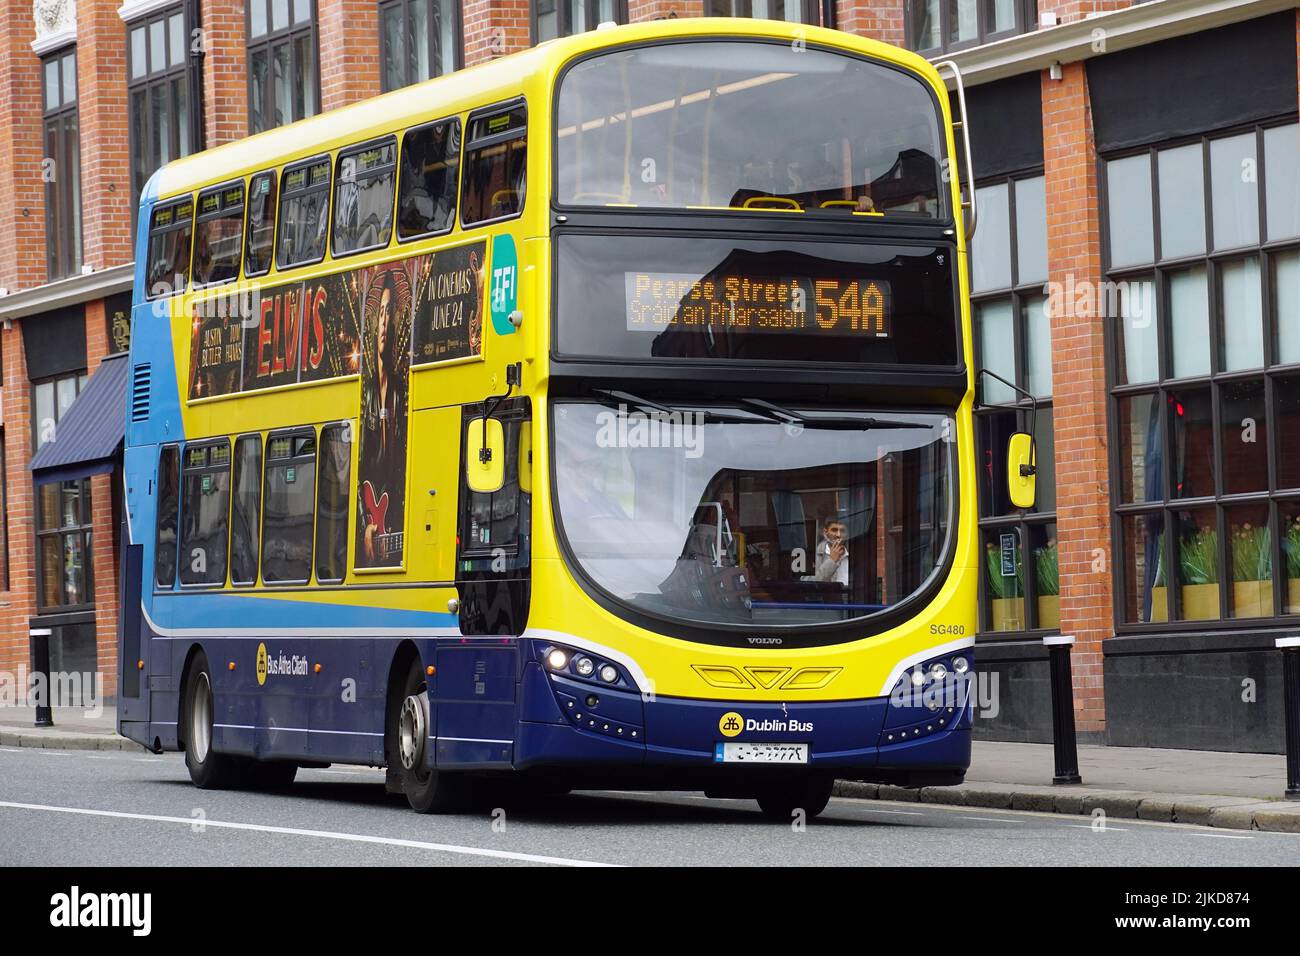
562, 18
163, 84
51, 398
283, 85
935, 26
1203, 305
1020, 588
418, 39
63, 544
791, 11
61, 165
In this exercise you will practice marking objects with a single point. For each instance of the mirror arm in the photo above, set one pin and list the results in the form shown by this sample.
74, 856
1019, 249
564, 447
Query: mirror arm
514, 376
1031, 468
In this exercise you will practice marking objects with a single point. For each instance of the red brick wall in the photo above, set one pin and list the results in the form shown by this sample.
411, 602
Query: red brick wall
639, 10
104, 527
225, 72
1079, 383
105, 153
22, 211
17, 604
494, 28
1069, 10
349, 51
878, 19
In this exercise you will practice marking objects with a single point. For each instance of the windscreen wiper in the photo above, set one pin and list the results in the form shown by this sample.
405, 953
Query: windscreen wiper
615, 398
844, 423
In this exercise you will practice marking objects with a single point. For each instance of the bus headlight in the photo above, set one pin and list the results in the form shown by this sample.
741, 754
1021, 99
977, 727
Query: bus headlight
609, 674
918, 677
960, 665
938, 671
585, 666
557, 660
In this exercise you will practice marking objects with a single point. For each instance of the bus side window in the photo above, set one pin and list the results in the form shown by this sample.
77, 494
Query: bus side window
495, 166
426, 195
205, 502
218, 234
333, 497
288, 491
170, 229
261, 224
363, 197
304, 213
245, 515
168, 504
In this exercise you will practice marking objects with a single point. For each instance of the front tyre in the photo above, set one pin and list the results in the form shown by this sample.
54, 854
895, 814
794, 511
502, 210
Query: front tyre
209, 770
426, 790
780, 800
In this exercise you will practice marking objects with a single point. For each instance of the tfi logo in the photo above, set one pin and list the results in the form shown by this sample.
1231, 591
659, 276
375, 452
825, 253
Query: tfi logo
76, 909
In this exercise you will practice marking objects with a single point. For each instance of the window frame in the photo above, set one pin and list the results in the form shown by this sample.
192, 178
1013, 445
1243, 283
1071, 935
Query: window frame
328, 211
292, 433
206, 468
84, 529
200, 217
190, 69
163, 451
487, 112
176, 202
267, 42
458, 42
78, 378
460, 162
345, 428
394, 169
1169, 507
809, 11
274, 173
1026, 19
1023, 522
563, 28
64, 222
255, 437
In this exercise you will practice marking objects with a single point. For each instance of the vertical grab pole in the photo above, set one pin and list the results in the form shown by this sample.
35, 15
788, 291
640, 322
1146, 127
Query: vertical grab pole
1290, 648
964, 125
1064, 744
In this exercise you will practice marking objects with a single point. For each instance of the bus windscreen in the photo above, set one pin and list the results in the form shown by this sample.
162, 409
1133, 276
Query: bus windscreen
749, 125
638, 297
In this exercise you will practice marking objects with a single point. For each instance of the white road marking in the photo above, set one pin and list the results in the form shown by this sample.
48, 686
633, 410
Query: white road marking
319, 834
996, 819
1224, 836
1088, 826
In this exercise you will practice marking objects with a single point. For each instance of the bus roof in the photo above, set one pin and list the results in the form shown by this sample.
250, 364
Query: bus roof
476, 86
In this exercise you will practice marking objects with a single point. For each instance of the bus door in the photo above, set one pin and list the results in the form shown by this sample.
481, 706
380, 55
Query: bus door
477, 677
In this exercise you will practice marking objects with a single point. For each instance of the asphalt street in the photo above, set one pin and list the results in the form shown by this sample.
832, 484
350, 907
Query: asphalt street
75, 808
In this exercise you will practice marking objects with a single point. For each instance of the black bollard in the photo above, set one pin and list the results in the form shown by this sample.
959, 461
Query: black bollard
40, 637
1063, 740
1290, 647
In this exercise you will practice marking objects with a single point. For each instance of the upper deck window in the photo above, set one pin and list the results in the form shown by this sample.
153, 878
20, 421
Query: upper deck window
261, 223
218, 231
363, 201
304, 213
748, 125
495, 168
170, 228
426, 198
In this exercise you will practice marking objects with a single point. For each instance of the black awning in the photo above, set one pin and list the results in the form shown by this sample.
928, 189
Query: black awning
87, 436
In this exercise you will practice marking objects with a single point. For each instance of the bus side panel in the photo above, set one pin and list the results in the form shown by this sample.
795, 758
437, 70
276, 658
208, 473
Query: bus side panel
476, 688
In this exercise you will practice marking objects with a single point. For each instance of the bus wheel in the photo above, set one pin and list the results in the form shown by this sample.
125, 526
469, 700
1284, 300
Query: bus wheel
779, 801
427, 790
208, 769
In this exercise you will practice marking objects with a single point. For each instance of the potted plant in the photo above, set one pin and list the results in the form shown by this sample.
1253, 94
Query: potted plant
1252, 572
1291, 552
1006, 601
1198, 558
1047, 576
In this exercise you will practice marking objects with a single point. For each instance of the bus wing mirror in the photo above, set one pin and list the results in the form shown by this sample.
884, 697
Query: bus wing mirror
485, 455
1022, 470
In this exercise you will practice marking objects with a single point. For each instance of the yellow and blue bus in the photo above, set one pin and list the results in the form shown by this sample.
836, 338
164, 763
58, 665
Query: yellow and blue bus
599, 416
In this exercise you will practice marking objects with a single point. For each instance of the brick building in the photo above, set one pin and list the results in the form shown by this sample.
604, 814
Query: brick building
1137, 269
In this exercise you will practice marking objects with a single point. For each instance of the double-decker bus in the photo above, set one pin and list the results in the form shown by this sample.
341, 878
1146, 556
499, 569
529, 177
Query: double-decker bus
599, 416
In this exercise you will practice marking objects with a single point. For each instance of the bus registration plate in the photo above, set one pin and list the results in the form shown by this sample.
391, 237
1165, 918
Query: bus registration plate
737, 752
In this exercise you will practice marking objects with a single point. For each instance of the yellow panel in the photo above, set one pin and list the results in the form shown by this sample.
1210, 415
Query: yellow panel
811, 678
433, 493
721, 676
767, 676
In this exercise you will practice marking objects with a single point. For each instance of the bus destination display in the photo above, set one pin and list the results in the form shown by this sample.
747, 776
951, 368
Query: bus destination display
739, 303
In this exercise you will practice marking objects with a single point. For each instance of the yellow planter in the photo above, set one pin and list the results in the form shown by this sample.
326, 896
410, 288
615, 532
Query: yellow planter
1159, 605
1008, 614
1252, 598
1200, 602
1049, 611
